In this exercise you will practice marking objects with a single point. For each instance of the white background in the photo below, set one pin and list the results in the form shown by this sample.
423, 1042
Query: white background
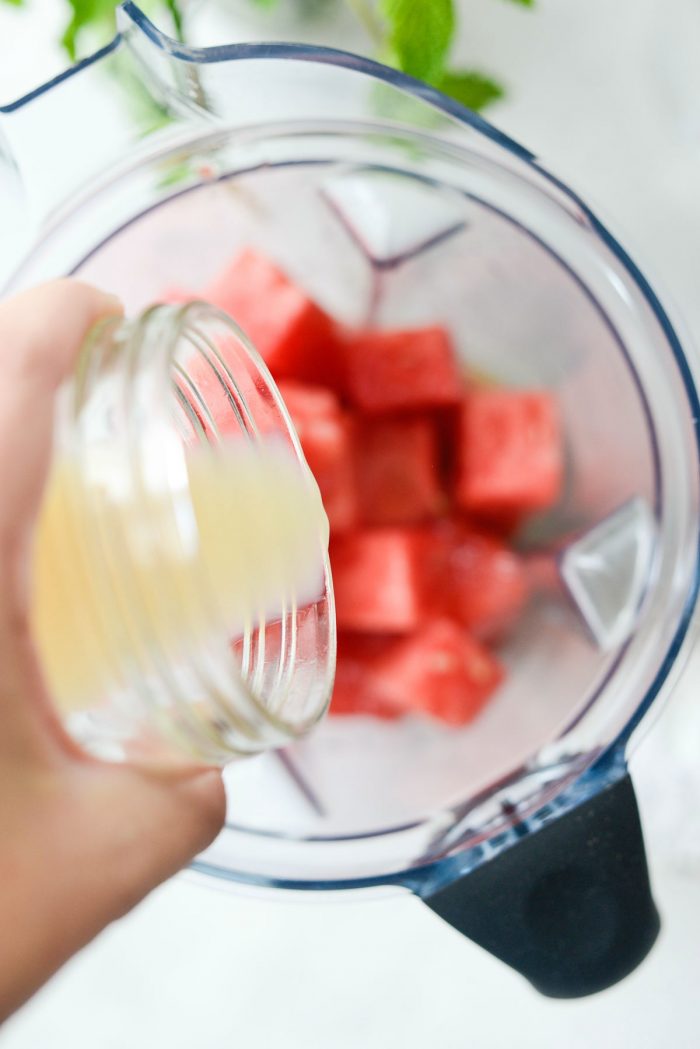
607, 92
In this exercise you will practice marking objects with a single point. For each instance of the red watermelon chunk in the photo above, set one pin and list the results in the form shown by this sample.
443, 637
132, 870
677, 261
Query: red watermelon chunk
388, 371
325, 433
355, 689
294, 336
398, 471
306, 402
485, 587
378, 580
416, 595
510, 457
502, 524
440, 671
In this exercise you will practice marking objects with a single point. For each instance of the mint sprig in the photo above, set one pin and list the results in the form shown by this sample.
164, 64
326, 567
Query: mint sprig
418, 38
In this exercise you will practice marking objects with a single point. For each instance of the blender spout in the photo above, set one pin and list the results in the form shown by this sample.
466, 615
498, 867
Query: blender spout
168, 69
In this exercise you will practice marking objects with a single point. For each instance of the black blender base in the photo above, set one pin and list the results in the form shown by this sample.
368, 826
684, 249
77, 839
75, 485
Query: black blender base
569, 906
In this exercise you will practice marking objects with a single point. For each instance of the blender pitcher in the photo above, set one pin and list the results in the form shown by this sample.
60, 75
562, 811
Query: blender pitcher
395, 206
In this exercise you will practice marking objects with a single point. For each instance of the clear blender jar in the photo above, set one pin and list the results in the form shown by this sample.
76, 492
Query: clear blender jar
395, 206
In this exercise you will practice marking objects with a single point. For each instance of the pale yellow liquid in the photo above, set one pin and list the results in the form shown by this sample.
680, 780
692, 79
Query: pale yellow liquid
126, 579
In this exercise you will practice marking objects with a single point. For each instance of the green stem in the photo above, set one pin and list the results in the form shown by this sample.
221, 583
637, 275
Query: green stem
367, 17
173, 7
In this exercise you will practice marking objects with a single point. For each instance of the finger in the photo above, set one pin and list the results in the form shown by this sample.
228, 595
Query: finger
41, 332
152, 824
41, 329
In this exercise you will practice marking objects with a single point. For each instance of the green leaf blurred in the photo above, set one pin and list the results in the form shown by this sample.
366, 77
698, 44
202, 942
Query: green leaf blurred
524, 3
15, 3
173, 7
474, 90
98, 14
419, 35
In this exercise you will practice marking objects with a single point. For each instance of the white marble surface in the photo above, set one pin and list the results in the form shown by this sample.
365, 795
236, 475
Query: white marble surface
609, 95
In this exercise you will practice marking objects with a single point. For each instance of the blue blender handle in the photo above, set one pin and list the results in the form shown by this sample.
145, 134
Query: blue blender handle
569, 906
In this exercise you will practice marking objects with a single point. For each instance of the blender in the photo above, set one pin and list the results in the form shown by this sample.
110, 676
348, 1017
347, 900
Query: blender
392, 205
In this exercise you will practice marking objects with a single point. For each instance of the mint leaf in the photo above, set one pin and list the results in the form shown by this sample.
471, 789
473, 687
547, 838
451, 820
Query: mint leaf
98, 14
15, 3
419, 35
524, 3
472, 89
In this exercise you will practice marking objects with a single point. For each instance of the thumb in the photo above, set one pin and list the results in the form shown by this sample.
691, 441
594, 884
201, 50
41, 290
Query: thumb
141, 826
41, 332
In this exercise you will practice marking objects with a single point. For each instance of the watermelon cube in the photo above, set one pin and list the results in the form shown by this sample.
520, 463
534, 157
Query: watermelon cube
485, 588
510, 454
398, 471
355, 690
326, 436
378, 580
293, 335
390, 371
306, 402
440, 671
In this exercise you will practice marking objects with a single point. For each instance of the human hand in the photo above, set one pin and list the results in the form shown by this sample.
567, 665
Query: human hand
81, 842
